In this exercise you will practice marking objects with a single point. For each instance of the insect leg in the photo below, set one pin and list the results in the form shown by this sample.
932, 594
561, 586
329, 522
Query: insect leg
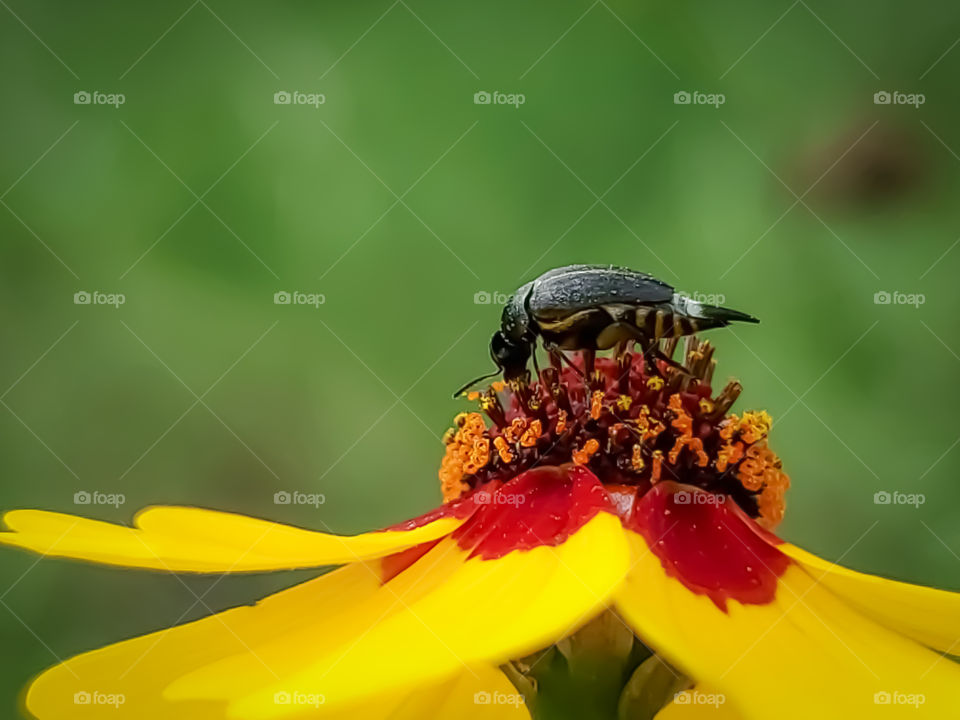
650, 347
589, 356
557, 357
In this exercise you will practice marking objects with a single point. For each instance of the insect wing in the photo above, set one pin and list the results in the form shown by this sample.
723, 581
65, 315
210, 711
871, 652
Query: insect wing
559, 294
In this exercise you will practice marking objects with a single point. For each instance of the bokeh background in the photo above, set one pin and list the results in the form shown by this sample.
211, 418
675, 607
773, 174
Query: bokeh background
402, 201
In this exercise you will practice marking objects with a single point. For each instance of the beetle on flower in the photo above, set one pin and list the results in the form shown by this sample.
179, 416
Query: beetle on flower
605, 549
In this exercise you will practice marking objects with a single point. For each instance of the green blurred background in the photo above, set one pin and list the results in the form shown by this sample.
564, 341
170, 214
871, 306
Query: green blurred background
399, 199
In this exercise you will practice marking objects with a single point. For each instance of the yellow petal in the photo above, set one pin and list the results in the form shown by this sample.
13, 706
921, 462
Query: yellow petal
806, 654
184, 539
927, 615
444, 615
126, 681
140, 669
480, 692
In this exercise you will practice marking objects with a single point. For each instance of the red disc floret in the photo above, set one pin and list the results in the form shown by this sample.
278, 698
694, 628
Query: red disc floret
630, 422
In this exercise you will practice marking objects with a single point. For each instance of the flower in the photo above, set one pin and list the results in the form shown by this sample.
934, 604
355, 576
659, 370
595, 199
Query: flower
609, 521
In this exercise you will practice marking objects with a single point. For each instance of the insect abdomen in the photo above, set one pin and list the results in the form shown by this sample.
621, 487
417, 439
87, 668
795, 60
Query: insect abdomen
662, 322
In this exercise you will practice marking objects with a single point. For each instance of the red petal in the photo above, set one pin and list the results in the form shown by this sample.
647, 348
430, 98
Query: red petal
543, 506
708, 544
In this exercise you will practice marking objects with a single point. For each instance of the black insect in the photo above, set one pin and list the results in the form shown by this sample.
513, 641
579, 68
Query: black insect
596, 307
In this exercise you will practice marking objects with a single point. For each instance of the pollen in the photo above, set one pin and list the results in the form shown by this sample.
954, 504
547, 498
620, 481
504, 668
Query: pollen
729, 454
657, 467
649, 428
479, 456
583, 455
467, 451
531, 434
755, 426
683, 424
632, 421
596, 404
503, 450
515, 430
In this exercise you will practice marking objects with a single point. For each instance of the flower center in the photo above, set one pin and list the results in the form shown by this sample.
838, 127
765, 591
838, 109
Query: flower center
630, 421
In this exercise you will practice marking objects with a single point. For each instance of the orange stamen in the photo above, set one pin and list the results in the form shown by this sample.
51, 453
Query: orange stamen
516, 428
729, 454
467, 451
596, 404
684, 423
532, 434
503, 449
754, 426
657, 467
582, 456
